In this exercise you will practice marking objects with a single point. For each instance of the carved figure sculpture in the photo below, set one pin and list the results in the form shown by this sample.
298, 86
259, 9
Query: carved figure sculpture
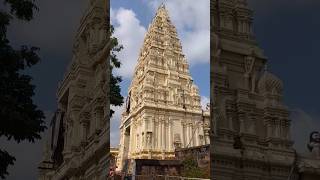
314, 144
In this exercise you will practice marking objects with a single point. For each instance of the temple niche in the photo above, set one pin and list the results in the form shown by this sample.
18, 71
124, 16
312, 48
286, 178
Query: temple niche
165, 111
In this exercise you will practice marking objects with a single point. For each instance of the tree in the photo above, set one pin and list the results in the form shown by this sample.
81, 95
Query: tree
115, 95
20, 118
192, 170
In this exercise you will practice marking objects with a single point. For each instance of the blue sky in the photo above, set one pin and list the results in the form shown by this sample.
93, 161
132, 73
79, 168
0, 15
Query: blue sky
131, 19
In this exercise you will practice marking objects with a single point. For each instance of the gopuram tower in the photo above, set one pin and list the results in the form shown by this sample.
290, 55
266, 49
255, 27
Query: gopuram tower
163, 109
251, 125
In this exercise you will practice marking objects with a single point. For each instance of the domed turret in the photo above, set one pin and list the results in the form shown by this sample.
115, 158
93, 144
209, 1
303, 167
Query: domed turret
269, 83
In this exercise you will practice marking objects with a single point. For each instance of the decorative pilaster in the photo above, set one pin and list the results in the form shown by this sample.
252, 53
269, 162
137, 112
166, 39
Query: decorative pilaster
159, 130
170, 135
163, 135
131, 148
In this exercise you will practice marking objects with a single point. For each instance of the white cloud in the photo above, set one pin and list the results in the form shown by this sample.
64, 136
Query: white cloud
204, 101
197, 46
130, 34
115, 124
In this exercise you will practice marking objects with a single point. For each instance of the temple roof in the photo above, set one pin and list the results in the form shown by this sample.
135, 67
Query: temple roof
162, 66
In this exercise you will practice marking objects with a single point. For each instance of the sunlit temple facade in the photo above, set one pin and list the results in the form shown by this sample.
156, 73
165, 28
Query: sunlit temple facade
163, 109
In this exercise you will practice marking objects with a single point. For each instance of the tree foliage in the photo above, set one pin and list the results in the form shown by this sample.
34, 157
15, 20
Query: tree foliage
192, 170
20, 118
115, 95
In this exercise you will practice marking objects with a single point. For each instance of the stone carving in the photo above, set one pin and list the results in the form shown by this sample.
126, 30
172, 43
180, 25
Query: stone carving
248, 64
248, 111
269, 83
82, 97
314, 144
167, 94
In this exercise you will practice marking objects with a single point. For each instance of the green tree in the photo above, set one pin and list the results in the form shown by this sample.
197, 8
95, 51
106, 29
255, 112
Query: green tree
20, 118
115, 95
192, 170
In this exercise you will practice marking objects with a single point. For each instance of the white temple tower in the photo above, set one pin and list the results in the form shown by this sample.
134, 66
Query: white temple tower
163, 106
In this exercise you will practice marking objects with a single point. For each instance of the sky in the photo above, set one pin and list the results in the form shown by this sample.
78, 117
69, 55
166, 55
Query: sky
192, 21
287, 30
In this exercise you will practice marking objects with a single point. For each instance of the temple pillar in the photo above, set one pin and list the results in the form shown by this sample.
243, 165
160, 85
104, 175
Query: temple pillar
131, 140
98, 119
183, 138
170, 136
191, 134
159, 135
134, 137
188, 135
153, 139
197, 136
166, 141
163, 135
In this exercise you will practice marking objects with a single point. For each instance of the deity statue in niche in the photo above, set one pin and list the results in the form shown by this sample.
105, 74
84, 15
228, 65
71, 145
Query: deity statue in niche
314, 144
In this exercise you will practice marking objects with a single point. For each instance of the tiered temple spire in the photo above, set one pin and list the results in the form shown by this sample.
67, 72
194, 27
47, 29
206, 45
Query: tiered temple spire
163, 108
162, 51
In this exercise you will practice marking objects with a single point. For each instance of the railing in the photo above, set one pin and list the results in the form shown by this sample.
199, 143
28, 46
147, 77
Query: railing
153, 177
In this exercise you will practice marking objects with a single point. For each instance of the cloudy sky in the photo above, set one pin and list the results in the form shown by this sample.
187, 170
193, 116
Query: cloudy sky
288, 31
131, 20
